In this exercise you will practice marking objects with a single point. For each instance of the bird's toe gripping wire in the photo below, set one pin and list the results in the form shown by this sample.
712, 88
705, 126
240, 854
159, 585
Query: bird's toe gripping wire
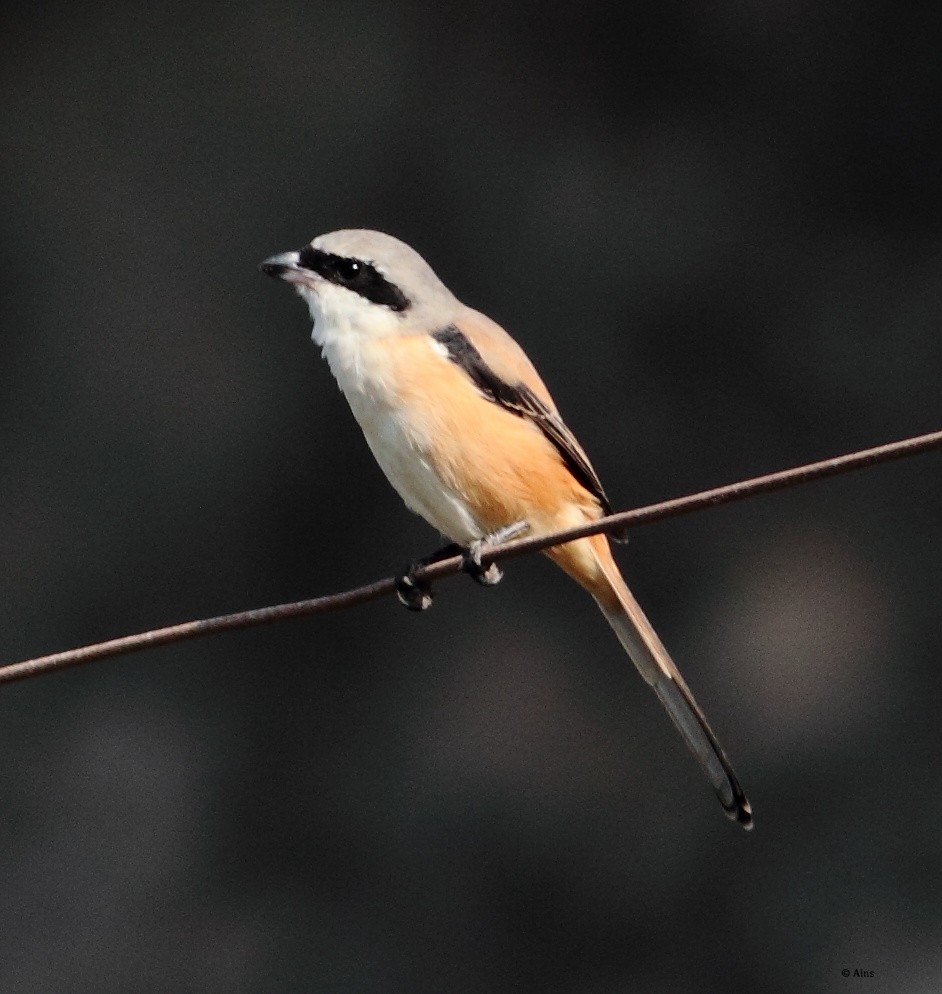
416, 594
492, 574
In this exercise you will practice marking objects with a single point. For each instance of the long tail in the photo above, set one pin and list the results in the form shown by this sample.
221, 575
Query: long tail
647, 652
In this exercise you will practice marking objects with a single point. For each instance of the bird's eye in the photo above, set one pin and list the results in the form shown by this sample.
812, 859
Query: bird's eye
349, 269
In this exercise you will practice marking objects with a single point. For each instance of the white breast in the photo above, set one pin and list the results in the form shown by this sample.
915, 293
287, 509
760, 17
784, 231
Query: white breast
398, 439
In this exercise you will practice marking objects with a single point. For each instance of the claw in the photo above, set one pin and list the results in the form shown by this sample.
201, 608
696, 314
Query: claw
488, 576
491, 575
415, 594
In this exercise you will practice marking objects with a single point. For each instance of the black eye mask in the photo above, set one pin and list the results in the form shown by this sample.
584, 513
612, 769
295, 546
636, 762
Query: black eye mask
354, 274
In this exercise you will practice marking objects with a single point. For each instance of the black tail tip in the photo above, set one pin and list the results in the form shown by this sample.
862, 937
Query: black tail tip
741, 812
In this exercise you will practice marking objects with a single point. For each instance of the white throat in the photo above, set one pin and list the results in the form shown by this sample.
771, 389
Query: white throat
345, 328
353, 340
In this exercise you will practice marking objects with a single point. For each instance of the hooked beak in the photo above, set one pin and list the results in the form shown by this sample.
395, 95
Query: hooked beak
286, 266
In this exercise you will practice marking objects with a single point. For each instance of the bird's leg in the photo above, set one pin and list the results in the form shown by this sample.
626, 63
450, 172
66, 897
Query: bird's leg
416, 594
471, 558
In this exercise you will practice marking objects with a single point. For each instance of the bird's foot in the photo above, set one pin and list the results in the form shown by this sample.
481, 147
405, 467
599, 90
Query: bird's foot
492, 574
414, 593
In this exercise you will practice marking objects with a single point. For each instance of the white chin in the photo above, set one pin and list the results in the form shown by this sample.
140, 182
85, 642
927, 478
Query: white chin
309, 297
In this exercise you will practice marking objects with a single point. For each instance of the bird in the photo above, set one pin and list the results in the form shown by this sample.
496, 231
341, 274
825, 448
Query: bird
467, 433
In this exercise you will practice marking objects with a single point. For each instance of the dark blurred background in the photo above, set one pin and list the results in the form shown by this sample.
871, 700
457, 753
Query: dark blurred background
716, 229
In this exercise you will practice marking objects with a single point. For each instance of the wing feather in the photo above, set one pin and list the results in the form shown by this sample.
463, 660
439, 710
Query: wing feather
512, 382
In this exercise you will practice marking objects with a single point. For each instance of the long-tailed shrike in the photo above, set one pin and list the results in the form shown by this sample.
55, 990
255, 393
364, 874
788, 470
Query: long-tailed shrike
462, 425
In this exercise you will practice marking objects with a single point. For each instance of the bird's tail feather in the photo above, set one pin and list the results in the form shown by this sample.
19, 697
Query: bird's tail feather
647, 652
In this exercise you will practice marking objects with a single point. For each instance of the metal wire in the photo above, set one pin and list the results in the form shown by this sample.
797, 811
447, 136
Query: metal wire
381, 588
